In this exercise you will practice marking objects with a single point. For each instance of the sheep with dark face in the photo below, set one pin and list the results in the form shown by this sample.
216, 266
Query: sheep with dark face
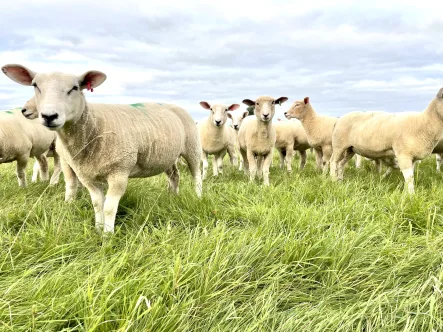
257, 137
109, 143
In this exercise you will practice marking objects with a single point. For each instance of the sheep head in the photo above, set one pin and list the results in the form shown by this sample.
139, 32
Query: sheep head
237, 118
298, 109
265, 107
218, 112
58, 96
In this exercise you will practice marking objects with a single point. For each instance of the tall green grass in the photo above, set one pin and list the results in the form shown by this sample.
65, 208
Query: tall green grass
305, 254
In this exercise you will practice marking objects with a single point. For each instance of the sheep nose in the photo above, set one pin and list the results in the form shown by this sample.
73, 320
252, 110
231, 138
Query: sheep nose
23, 111
235, 126
286, 113
49, 118
217, 122
265, 116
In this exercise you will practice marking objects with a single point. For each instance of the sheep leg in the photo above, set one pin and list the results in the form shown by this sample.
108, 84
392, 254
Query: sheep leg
282, 158
260, 167
232, 155
438, 158
378, 166
174, 178
358, 160
245, 161
71, 181
266, 165
205, 164
407, 168
44, 169
252, 162
22, 162
338, 155
117, 187
318, 158
57, 170
288, 157
303, 158
388, 171
194, 168
220, 161
97, 199
327, 153
348, 154
35, 171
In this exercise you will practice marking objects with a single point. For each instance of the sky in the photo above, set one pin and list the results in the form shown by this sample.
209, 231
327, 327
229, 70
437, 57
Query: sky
345, 55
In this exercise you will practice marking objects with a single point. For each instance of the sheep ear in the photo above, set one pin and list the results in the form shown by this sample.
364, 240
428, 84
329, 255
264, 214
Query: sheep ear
440, 94
306, 100
245, 114
205, 105
233, 107
91, 79
229, 115
281, 100
248, 102
19, 73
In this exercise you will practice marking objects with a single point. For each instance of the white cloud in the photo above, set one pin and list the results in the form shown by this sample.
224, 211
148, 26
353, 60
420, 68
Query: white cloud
346, 55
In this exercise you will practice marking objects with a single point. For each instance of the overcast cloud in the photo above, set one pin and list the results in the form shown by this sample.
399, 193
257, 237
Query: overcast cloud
344, 55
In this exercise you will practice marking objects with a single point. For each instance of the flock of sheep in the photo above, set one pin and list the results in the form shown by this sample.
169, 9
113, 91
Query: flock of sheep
97, 144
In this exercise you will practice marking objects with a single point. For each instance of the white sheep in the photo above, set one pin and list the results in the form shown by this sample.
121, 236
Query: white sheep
29, 111
291, 137
21, 139
237, 118
257, 137
399, 139
318, 130
216, 138
109, 143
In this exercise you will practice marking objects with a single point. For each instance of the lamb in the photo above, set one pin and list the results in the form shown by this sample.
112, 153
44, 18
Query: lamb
110, 143
237, 118
21, 139
399, 139
318, 130
216, 138
257, 137
290, 137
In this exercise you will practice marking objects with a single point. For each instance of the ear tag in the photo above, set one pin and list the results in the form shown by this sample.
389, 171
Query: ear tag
89, 87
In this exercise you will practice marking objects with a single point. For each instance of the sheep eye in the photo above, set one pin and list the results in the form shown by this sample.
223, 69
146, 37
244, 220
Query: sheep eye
226, 110
273, 102
34, 85
256, 104
74, 88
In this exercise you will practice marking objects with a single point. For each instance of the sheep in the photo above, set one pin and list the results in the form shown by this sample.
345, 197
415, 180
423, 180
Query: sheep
237, 118
29, 111
399, 139
318, 130
110, 143
257, 137
290, 137
21, 139
216, 138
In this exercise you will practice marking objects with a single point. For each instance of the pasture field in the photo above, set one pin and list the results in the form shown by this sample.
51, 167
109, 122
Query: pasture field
305, 254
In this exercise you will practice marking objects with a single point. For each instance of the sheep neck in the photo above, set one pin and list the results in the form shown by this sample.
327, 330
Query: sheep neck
263, 128
436, 120
80, 134
309, 119
215, 132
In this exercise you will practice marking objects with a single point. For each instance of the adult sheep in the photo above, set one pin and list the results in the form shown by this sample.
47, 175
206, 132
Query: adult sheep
109, 143
402, 138
21, 139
